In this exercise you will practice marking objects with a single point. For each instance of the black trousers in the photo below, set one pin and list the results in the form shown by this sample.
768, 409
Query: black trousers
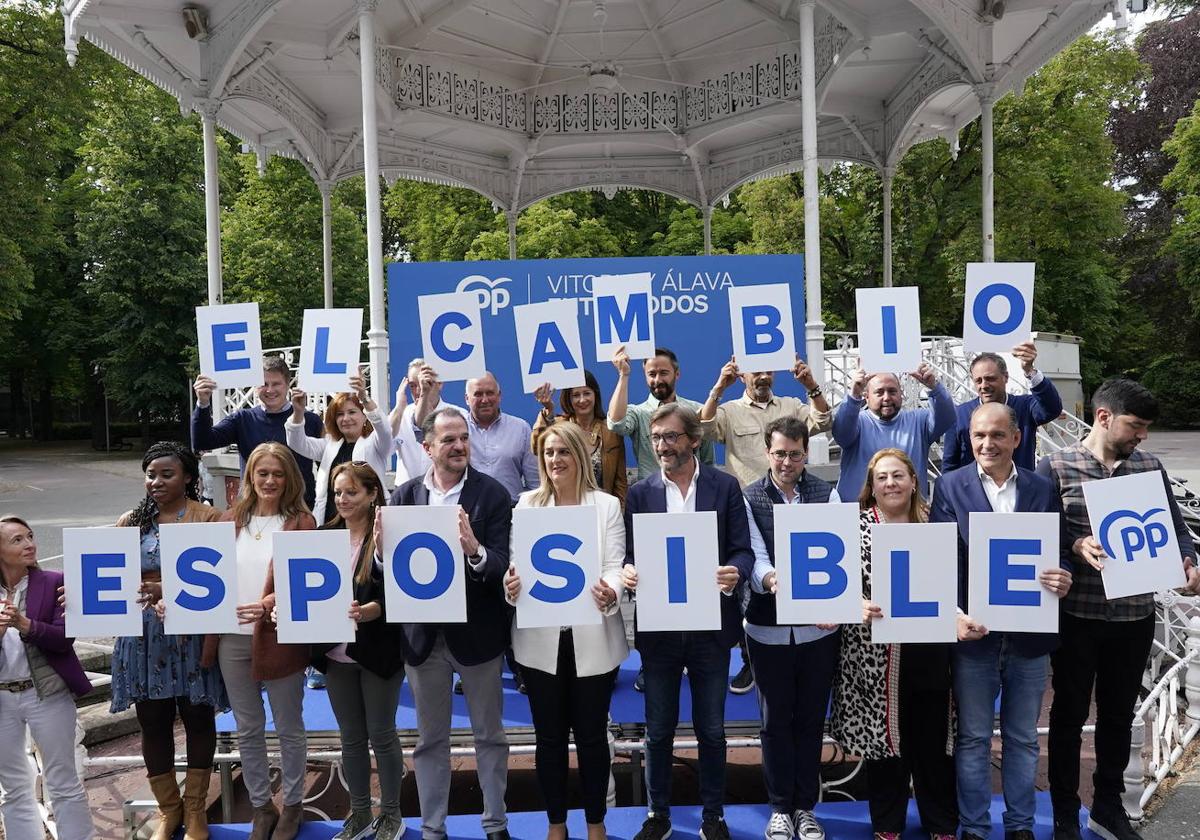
1110, 655
924, 732
793, 695
560, 704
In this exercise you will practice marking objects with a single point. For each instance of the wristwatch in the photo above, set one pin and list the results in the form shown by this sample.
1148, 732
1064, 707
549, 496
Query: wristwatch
814, 392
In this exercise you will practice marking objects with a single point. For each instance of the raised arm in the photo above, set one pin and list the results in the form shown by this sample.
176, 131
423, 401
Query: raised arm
618, 403
293, 429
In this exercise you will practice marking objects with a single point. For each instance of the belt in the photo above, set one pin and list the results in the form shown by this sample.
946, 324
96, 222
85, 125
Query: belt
16, 686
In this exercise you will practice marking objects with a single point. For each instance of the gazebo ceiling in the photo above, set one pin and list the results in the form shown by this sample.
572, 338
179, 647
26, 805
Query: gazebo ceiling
522, 99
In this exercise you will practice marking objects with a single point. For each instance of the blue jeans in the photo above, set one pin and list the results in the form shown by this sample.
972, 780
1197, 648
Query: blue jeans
981, 670
707, 663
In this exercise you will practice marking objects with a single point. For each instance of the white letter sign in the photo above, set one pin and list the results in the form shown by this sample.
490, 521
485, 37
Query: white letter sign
423, 575
677, 559
557, 554
998, 307
914, 579
548, 344
229, 339
818, 564
623, 313
330, 346
1132, 521
889, 329
760, 318
199, 577
313, 586
452, 335
102, 571
1007, 552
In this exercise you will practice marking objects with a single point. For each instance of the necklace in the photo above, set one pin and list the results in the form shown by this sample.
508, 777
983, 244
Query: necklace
262, 530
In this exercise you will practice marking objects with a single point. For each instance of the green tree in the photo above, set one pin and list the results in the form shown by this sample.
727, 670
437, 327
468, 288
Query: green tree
544, 233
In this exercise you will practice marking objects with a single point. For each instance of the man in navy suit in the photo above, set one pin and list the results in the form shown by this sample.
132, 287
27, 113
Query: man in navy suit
433, 652
683, 486
985, 664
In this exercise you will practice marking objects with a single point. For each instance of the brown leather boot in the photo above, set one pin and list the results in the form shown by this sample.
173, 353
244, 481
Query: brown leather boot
289, 822
264, 821
195, 802
170, 805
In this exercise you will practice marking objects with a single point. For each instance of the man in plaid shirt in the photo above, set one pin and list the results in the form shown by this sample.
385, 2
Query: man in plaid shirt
1102, 643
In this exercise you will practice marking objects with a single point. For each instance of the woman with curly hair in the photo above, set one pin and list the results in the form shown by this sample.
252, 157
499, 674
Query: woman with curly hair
159, 675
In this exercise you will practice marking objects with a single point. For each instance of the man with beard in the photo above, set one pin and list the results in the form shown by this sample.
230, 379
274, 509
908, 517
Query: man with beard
884, 425
633, 421
1104, 643
739, 424
989, 375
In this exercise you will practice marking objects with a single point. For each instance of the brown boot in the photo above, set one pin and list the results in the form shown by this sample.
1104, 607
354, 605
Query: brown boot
170, 805
264, 821
289, 822
195, 802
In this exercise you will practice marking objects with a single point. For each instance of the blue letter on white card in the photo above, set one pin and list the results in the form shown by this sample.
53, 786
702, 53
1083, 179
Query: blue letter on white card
443, 557
545, 563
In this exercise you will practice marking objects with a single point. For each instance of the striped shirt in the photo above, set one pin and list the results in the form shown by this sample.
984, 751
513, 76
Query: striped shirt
1070, 469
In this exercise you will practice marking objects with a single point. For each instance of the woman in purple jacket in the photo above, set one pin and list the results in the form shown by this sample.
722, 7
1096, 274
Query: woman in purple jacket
39, 676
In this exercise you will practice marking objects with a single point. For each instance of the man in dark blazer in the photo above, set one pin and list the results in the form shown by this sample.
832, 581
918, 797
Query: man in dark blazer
986, 664
683, 486
434, 652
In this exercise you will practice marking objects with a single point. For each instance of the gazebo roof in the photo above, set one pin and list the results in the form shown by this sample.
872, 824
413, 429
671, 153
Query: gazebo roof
523, 99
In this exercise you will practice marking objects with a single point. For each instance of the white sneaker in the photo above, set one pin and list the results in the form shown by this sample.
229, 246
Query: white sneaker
779, 827
807, 827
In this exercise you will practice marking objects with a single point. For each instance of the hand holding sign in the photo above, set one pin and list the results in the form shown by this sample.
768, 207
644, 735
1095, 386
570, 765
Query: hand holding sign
1026, 354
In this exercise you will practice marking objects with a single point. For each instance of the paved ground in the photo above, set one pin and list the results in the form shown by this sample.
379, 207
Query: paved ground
1179, 815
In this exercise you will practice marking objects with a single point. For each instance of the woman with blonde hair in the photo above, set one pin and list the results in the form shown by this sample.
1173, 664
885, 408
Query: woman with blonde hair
271, 500
891, 702
570, 671
364, 676
351, 421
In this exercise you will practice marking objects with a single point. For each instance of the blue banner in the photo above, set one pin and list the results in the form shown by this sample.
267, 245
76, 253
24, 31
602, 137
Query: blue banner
691, 317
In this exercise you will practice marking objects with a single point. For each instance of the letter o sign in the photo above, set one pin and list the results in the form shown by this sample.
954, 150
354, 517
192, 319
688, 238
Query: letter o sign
1016, 309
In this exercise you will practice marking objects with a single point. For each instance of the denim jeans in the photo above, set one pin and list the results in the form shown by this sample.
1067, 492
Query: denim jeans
707, 663
981, 670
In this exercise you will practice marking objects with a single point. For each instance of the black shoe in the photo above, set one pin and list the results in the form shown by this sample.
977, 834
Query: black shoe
639, 684
743, 681
458, 690
1067, 828
1112, 824
1019, 834
655, 828
502, 834
714, 830
520, 680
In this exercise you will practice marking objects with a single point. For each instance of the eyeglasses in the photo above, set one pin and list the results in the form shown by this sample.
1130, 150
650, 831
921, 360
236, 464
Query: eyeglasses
795, 456
669, 438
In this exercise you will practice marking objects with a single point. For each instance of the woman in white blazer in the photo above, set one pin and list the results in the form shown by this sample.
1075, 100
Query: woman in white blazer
355, 430
570, 671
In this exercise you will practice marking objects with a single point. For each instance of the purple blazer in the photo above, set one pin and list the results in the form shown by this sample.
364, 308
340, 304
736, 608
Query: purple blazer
47, 629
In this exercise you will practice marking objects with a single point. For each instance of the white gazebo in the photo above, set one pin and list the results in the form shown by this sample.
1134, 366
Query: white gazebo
523, 99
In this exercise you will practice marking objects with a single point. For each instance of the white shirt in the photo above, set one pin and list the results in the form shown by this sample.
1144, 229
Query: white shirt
451, 497
1003, 497
677, 501
253, 559
14, 664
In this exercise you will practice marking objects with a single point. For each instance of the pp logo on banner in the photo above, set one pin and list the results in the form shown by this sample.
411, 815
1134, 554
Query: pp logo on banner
623, 315
1131, 519
229, 339
889, 329
760, 319
452, 335
423, 576
914, 579
562, 545
491, 293
998, 306
548, 344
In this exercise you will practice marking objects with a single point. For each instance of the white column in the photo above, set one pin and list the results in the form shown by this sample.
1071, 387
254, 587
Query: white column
886, 177
511, 217
707, 214
987, 217
212, 221
377, 338
814, 327
326, 188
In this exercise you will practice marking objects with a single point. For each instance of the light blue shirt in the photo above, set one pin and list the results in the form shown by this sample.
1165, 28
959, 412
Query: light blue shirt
502, 451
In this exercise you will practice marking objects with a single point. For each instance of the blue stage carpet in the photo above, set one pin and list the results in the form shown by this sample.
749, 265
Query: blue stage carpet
842, 821
627, 705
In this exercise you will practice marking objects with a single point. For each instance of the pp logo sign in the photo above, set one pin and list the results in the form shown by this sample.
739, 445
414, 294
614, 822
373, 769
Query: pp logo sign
1142, 543
491, 296
1134, 532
